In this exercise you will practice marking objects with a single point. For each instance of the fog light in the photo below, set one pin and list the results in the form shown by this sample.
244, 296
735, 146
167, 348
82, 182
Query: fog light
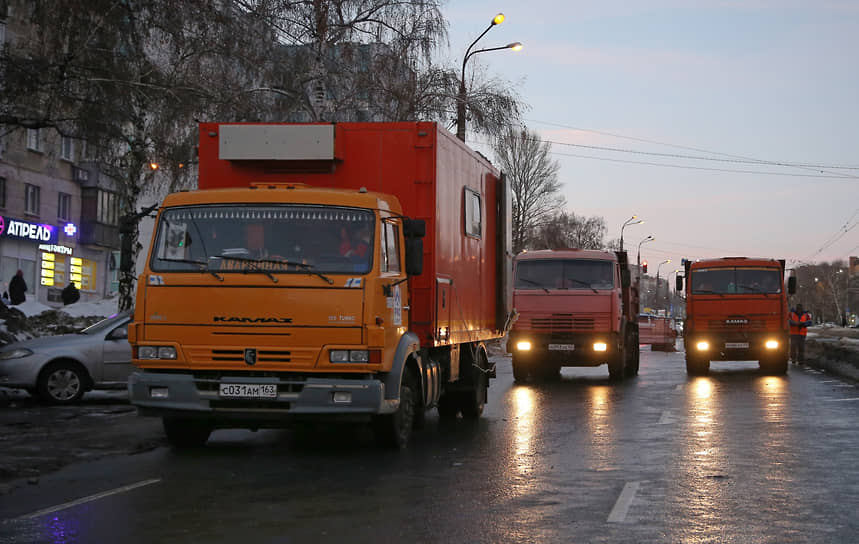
523, 346
342, 396
600, 346
159, 392
771, 344
703, 345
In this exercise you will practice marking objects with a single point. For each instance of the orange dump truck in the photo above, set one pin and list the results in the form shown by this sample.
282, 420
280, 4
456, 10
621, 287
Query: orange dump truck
352, 271
736, 310
576, 308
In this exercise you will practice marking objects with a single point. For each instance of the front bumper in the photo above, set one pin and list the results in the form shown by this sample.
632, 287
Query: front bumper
188, 395
568, 349
751, 347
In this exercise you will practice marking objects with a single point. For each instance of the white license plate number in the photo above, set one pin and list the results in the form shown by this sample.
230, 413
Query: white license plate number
248, 390
736, 345
562, 347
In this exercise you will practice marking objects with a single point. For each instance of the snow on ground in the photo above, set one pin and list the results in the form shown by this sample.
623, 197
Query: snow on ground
104, 308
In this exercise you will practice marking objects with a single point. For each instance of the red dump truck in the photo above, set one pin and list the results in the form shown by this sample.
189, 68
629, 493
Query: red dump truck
736, 310
354, 270
657, 330
575, 308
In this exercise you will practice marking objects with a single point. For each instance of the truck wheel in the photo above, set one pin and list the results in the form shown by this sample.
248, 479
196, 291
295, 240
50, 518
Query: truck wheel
186, 433
616, 366
448, 406
394, 430
633, 357
774, 367
520, 369
473, 400
696, 366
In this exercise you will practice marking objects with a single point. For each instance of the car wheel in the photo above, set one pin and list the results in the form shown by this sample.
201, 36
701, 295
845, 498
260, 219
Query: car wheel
62, 383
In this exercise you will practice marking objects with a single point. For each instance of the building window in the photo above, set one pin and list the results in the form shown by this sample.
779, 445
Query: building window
34, 139
67, 148
31, 199
64, 207
2, 192
108, 208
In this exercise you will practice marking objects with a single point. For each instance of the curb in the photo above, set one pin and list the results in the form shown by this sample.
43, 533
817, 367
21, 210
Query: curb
834, 356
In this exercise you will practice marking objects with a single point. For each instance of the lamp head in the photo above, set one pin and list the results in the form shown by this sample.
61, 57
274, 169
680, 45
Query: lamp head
498, 19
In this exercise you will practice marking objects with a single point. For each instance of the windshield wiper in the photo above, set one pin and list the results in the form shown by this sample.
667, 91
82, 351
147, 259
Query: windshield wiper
753, 289
204, 266
255, 266
532, 282
707, 292
586, 284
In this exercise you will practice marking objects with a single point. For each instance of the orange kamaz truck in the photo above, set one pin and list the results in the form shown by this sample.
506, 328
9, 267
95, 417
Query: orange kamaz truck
575, 307
348, 271
736, 310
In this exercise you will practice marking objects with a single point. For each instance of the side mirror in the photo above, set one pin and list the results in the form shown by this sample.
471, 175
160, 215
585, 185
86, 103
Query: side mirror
120, 333
414, 256
414, 228
791, 285
624, 277
678, 283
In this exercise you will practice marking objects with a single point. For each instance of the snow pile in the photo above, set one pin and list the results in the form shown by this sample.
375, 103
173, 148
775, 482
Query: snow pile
100, 308
33, 318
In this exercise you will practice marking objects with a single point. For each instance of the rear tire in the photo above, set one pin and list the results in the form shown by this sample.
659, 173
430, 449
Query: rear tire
186, 434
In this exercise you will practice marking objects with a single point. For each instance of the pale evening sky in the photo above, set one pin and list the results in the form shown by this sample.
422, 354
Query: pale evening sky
734, 81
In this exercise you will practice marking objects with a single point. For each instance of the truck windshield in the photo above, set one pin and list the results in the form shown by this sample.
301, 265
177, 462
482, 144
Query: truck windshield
293, 239
564, 274
725, 281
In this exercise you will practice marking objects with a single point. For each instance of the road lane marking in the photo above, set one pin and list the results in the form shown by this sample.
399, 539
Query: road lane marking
679, 387
621, 507
666, 418
90, 498
840, 400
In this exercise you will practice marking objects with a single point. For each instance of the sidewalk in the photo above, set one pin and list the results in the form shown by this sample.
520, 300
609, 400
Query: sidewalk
834, 349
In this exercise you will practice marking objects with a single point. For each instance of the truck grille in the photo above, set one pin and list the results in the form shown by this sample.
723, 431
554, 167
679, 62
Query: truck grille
751, 325
238, 355
570, 322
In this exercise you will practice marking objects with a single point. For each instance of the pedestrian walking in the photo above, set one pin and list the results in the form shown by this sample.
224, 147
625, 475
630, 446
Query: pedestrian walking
17, 288
799, 320
71, 294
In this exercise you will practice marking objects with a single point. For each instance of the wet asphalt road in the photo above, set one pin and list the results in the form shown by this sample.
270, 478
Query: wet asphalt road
732, 457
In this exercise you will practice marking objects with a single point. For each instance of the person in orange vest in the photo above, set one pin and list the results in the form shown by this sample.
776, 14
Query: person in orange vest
799, 320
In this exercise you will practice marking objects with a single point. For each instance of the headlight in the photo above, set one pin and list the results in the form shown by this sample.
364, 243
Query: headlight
771, 344
349, 356
523, 346
147, 352
703, 345
600, 346
15, 353
166, 352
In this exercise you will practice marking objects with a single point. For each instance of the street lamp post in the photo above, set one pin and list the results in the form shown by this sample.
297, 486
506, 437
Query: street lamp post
630, 221
658, 290
461, 98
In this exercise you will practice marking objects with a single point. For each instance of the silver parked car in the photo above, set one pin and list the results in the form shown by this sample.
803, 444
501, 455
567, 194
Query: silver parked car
60, 369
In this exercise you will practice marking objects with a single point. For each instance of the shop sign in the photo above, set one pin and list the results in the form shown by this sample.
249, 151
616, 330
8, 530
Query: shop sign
24, 230
54, 248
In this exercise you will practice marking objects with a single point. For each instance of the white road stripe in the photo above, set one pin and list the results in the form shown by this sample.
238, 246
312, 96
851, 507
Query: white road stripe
90, 498
840, 400
621, 507
666, 418
679, 387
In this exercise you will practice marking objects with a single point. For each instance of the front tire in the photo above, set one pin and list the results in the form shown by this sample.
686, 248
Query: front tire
696, 366
62, 383
186, 434
394, 430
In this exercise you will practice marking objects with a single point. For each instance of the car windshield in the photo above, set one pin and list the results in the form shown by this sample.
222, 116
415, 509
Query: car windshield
294, 239
724, 281
106, 324
564, 274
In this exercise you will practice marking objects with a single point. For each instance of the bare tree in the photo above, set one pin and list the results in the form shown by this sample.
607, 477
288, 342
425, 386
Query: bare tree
568, 230
533, 177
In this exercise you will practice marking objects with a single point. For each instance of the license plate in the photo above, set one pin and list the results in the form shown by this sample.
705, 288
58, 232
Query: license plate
248, 390
736, 345
562, 347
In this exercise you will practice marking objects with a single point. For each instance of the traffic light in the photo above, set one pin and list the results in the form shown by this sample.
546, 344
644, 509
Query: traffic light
644, 266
